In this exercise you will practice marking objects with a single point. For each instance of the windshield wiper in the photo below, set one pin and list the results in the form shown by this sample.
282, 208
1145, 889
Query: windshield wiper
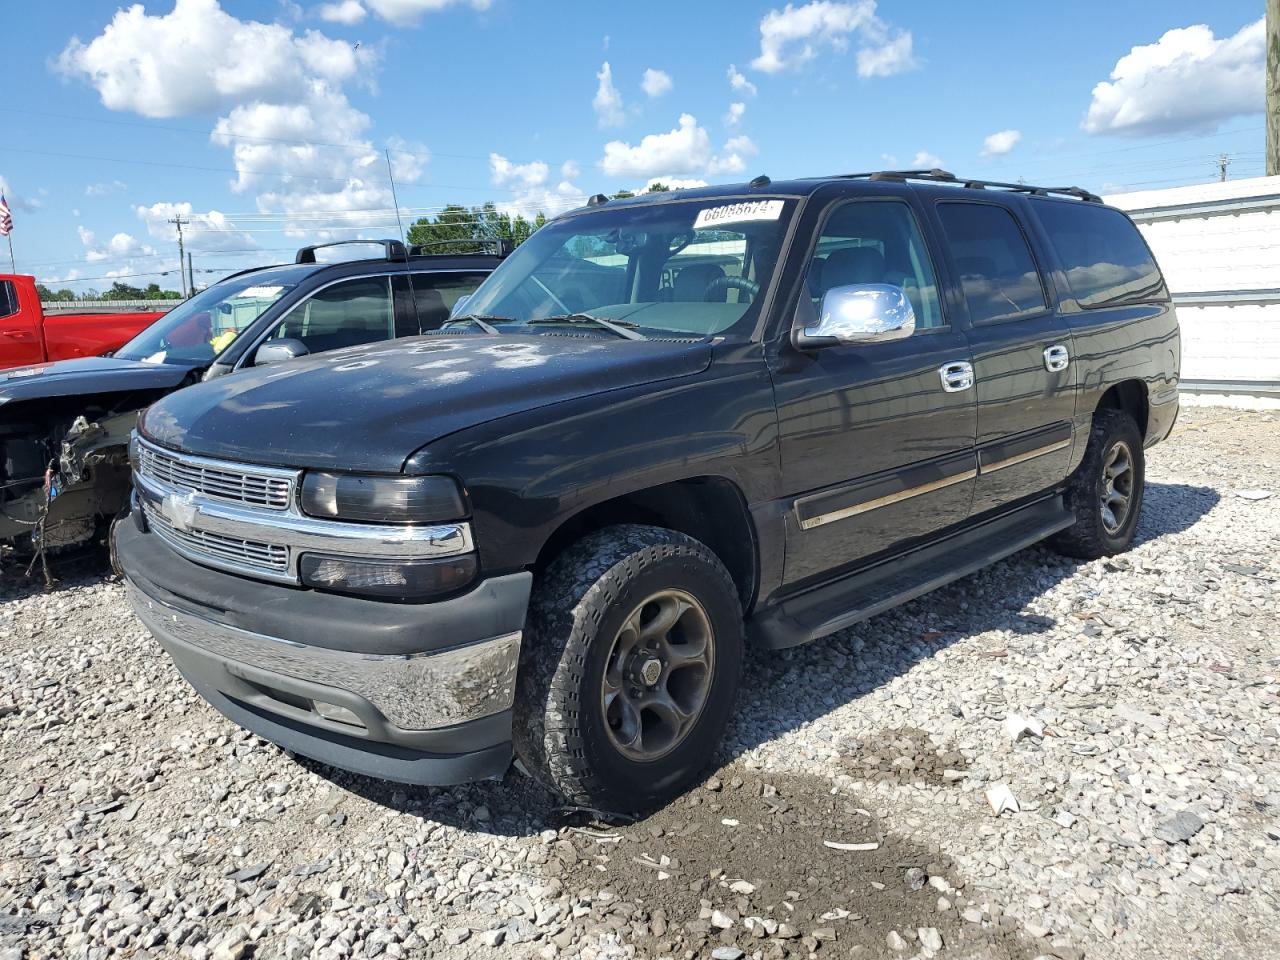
481, 321
623, 328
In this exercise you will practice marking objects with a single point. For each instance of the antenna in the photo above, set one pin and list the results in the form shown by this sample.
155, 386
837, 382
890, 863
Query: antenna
392, 177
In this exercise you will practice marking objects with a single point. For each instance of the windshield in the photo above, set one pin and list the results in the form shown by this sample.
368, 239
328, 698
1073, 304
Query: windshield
200, 328
690, 267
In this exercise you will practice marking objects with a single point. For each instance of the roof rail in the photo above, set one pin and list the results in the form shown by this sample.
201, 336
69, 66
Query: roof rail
394, 249
942, 176
502, 246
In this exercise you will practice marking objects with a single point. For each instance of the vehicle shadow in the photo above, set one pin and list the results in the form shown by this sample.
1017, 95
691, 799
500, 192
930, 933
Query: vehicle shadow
782, 691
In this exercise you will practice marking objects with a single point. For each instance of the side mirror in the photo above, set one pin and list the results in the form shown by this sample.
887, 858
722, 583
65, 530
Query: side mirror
273, 351
460, 306
859, 313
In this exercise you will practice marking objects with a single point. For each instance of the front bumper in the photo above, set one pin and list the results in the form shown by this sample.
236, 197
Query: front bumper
306, 670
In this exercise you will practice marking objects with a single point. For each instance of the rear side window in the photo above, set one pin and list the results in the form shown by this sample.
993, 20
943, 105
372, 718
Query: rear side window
8, 298
997, 272
436, 293
1103, 254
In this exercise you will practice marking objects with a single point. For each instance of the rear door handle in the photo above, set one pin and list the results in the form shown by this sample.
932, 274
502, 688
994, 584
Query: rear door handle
956, 376
1056, 358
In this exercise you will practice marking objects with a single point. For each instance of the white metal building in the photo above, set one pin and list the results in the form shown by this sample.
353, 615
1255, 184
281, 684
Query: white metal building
1219, 247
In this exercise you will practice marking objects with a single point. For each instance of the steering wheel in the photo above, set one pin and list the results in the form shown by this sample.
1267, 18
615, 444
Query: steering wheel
720, 285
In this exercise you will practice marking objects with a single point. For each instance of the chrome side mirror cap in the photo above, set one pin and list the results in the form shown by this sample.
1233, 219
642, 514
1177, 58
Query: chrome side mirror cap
859, 313
274, 351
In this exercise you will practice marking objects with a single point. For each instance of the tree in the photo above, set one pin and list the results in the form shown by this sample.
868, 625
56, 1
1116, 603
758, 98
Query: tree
123, 291
658, 188
459, 229
622, 195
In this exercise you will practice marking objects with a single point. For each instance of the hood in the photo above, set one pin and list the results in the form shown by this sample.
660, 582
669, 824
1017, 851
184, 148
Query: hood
85, 375
369, 408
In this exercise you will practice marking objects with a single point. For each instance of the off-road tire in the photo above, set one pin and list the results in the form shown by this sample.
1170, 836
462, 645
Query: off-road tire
1088, 538
577, 608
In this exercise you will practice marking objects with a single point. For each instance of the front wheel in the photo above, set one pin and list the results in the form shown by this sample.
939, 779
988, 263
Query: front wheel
629, 668
1105, 492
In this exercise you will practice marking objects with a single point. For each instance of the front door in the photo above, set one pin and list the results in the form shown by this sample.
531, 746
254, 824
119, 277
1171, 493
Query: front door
876, 450
1022, 354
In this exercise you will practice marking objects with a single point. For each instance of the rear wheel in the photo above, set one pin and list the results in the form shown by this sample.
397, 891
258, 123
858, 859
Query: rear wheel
629, 667
1105, 492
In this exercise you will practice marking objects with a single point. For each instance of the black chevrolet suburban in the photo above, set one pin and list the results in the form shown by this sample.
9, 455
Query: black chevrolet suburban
664, 428
64, 426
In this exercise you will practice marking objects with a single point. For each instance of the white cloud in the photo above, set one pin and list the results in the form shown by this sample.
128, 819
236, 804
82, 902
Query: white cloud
409, 12
105, 187
792, 36
608, 101
1187, 81
206, 232
295, 138
892, 56
19, 201
569, 169
1000, 143
655, 82
346, 12
924, 160
119, 247
740, 83
734, 116
682, 150
530, 185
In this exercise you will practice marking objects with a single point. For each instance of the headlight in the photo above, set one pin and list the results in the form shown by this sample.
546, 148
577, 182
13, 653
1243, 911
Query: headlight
399, 579
343, 496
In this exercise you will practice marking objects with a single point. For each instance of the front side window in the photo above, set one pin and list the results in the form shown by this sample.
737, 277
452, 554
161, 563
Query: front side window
436, 294
997, 271
343, 314
200, 328
1104, 256
876, 242
685, 267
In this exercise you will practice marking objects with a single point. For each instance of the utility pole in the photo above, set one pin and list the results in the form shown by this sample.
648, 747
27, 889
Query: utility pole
1273, 88
1223, 162
182, 257
191, 276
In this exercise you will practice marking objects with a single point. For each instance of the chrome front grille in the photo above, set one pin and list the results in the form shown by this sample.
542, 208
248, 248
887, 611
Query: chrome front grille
237, 485
235, 552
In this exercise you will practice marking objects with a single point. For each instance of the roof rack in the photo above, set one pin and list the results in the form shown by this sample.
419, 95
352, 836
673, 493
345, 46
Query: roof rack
502, 246
394, 249
942, 176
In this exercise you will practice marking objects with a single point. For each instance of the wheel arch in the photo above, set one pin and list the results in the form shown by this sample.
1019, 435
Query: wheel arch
711, 509
1130, 396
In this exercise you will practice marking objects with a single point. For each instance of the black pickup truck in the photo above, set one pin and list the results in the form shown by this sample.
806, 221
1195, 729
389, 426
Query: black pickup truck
664, 428
64, 426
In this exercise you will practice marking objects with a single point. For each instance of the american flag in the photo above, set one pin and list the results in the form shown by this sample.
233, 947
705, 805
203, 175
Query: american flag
6, 217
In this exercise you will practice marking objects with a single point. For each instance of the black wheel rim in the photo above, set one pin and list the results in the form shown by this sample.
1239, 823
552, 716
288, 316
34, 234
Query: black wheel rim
1115, 497
658, 675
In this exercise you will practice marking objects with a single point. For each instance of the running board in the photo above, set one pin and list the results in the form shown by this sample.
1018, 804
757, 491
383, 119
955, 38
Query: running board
865, 593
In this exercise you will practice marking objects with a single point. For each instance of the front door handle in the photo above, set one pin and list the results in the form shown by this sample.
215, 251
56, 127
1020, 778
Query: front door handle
1056, 358
956, 376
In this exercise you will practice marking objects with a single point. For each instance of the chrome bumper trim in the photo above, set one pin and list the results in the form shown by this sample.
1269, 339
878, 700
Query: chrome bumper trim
419, 692
192, 512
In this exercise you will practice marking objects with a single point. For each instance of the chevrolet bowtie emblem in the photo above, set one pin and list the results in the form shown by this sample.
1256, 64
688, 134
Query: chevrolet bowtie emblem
181, 510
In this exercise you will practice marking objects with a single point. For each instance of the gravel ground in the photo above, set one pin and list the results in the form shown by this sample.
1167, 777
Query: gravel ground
1143, 692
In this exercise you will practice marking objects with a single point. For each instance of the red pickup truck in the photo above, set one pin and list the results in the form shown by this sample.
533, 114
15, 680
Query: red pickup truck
28, 336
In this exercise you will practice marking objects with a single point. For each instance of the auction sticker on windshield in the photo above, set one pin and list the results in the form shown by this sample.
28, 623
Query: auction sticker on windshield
738, 213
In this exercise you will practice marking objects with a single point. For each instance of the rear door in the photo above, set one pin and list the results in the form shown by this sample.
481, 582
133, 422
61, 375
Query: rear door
20, 336
1022, 352
875, 451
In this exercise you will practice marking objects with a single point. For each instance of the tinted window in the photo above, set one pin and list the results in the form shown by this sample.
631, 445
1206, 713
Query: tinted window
342, 315
876, 242
997, 272
8, 298
1102, 252
436, 293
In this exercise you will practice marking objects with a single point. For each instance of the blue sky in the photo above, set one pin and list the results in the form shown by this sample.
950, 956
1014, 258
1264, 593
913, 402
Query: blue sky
265, 122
